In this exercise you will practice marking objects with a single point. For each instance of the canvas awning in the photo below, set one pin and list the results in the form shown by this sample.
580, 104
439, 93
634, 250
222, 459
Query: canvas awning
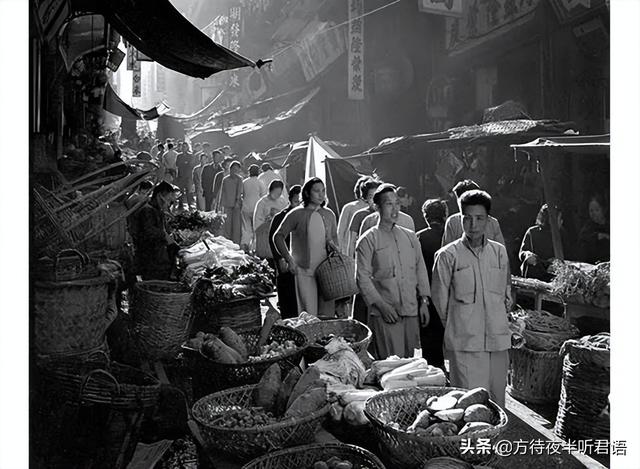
158, 30
115, 105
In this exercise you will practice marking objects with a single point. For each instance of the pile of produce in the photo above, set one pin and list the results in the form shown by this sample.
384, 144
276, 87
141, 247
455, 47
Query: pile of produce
197, 221
399, 373
542, 331
347, 404
217, 285
334, 462
303, 318
275, 399
324, 340
341, 365
582, 283
274, 349
455, 413
182, 454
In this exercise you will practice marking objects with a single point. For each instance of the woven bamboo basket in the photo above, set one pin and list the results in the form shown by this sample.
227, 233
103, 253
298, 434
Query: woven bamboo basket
161, 313
359, 332
336, 277
209, 376
238, 314
70, 316
247, 443
302, 457
535, 376
411, 450
67, 265
445, 462
584, 393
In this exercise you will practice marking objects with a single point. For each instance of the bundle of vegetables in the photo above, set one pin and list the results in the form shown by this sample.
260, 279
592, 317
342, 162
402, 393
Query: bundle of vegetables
347, 404
398, 373
222, 284
582, 283
197, 221
540, 330
274, 349
454, 413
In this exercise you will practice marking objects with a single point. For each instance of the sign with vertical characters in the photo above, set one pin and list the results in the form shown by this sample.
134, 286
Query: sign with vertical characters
136, 83
131, 57
234, 25
356, 50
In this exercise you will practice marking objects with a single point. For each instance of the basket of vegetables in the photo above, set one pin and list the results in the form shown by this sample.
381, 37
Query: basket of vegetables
320, 333
318, 456
415, 425
232, 359
249, 421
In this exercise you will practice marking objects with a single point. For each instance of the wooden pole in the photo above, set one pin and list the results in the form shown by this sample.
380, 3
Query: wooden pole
558, 252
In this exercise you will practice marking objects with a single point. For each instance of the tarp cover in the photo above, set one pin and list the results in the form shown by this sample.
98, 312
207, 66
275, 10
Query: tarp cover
115, 105
158, 30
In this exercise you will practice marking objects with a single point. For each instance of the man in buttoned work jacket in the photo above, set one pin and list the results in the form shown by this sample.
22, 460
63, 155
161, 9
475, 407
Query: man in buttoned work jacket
470, 291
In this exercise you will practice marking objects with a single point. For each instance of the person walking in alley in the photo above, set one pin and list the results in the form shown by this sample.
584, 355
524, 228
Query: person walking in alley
285, 281
266, 208
314, 235
347, 212
471, 294
168, 162
268, 174
453, 226
185, 162
201, 158
222, 170
231, 202
393, 280
207, 179
252, 191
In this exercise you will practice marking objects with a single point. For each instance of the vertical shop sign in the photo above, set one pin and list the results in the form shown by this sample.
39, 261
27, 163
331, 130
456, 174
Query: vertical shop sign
160, 78
235, 23
136, 84
356, 50
131, 57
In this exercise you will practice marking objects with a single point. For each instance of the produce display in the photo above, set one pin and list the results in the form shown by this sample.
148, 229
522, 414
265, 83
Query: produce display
244, 418
542, 331
303, 318
398, 373
182, 454
322, 341
274, 349
455, 413
335, 462
582, 283
197, 221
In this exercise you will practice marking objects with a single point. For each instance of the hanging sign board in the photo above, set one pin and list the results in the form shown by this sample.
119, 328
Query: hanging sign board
356, 50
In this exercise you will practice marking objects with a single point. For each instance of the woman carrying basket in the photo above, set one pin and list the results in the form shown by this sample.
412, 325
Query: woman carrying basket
314, 235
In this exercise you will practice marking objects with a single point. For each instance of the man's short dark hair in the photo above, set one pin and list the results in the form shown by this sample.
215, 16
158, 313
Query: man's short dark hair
170, 145
216, 153
295, 190
464, 186
254, 170
357, 193
160, 145
382, 189
434, 210
265, 167
476, 197
163, 188
367, 185
276, 184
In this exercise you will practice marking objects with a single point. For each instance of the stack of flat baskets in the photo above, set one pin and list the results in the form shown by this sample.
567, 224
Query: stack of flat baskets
306, 455
583, 411
65, 218
536, 368
247, 443
336, 277
161, 313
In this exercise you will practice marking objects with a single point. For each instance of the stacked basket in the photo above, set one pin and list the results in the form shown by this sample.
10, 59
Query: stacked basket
583, 412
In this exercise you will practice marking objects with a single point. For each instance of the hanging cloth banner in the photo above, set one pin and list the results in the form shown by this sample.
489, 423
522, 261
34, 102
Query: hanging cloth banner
356, 50
115, 105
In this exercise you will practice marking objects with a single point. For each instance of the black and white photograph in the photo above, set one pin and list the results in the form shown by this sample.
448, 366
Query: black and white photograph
322, 234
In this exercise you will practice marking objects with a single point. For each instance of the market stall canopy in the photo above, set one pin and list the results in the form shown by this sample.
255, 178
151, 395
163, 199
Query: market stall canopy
80, 36
582, 144
115, 105
157, 29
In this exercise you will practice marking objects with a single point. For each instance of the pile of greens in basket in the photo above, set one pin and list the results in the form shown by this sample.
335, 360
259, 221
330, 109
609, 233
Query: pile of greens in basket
582, 283
197, 220
219, 285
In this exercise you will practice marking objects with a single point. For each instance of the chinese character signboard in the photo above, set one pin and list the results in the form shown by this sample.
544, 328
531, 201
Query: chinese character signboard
356, 50
441, 7
131, 57
160, 78
318, 50
136, 84
234, 26
485, 19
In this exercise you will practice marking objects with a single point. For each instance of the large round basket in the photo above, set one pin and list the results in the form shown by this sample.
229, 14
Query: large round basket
535, 376
303, 457
70, 316
67, 265
411, 450
247, 443
209, 376
238, 314
161, 313
359, 334
336, 277
584, 393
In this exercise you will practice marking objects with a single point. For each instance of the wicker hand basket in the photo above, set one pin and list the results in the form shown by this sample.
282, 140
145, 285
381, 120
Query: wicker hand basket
161, 313
209, 376
67, 265
302, 457
339, 327
336, 277
411, 450
246, 443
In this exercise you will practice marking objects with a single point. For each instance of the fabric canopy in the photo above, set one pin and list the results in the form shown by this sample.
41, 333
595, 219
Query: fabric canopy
572, 144
115, 105
158, 30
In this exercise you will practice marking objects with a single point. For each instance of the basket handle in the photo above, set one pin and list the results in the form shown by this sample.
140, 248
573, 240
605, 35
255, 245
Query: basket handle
83, 258
101, 353
100, 372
